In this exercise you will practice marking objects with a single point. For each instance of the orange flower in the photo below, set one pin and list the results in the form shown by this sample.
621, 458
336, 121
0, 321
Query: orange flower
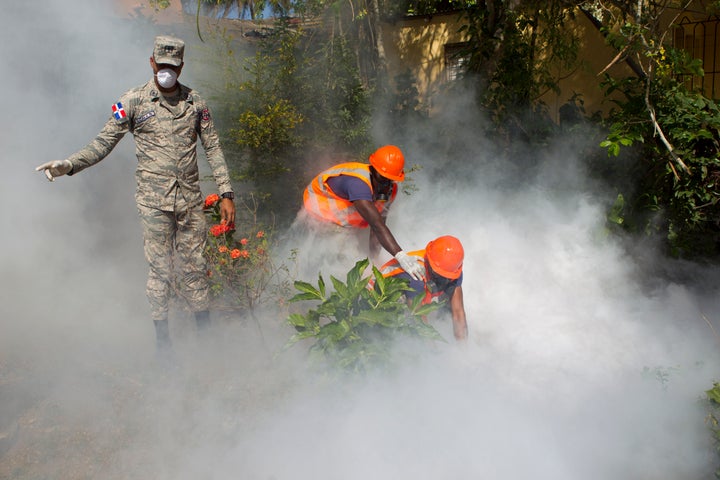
260, 234
244, 253
211, 199
243, 241
260, 250
217, 230
235, 253
222, 249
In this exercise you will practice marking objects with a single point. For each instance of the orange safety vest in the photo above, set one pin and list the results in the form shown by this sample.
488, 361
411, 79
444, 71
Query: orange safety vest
392, 268
324, 204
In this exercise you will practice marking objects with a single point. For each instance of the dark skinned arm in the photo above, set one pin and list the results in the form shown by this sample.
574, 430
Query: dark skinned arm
374, 242
457, 307
379, 232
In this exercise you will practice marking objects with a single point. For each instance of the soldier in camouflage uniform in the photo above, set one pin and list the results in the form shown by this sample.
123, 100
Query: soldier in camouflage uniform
166, 118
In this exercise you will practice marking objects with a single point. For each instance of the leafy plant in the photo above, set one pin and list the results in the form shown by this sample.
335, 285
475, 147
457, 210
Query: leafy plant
267, 128
242, 272
300, 98
713, 397
660, 374
517, 51
355, 327
672, 133
159, 4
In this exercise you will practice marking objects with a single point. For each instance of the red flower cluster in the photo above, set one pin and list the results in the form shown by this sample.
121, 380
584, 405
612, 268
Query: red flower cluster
210, 200
221, 229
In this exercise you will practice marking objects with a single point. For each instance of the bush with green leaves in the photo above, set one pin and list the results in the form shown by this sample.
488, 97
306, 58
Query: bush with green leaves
241, 270
713, 418
671, 132
296, 98
680, 182
355, 327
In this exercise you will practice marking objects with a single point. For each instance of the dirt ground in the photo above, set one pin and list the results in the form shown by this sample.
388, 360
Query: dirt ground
137, 417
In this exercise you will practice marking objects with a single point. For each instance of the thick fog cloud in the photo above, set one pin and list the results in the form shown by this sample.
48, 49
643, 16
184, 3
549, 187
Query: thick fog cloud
62, 66
577, 366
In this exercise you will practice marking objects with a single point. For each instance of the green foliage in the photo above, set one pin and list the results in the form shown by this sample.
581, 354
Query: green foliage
242, 273
615, 215
518, 53
426, 7
674, 134
659, 374
266, 128
713, 398
355, 327
300, 94
340, 102
618, 138
406, 111
159, 4
714, 394
662, 139
515, 53
268, 132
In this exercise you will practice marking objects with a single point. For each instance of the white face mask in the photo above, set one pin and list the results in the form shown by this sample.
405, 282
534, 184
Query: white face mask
166, 78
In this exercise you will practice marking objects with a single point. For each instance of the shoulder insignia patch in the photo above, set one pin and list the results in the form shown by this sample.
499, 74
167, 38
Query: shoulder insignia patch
205, 115
119, 112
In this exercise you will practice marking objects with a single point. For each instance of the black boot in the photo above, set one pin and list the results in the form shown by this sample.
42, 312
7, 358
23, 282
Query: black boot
202, 319
162, 335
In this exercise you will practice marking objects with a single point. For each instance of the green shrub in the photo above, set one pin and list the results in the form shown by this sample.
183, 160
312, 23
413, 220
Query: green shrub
241, 270
713, 396
355, 327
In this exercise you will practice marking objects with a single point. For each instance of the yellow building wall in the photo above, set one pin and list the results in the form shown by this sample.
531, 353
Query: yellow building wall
418, 45
594, 58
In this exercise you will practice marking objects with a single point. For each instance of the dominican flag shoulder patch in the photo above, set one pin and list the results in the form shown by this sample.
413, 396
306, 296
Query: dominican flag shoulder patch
119, 111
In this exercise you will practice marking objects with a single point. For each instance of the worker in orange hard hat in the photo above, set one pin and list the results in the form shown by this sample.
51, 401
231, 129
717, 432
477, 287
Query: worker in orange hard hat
359, 195
442, 263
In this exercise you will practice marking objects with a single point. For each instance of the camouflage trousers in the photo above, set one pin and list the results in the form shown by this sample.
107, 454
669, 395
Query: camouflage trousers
175, 242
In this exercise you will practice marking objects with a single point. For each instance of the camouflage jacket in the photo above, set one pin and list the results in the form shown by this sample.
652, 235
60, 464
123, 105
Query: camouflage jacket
166, 146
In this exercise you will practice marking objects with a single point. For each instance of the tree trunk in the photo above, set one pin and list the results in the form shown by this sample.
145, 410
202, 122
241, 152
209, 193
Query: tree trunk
380, 63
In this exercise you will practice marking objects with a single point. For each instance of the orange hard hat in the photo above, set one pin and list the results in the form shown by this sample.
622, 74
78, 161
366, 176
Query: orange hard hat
389, 162
446, 255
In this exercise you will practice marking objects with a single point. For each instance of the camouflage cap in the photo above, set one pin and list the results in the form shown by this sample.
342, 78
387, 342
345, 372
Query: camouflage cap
168, 50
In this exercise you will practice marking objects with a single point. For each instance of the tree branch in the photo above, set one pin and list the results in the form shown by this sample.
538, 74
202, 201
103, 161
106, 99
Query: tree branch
596, 23
660, 133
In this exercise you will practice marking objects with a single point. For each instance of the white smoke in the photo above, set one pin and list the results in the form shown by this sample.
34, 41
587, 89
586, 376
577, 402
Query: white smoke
576, 367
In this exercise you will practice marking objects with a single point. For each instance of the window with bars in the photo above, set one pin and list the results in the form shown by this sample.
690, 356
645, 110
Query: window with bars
700, 39
455, 60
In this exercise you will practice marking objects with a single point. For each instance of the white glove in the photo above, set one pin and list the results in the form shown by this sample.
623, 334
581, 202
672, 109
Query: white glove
55, 168
410, 265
